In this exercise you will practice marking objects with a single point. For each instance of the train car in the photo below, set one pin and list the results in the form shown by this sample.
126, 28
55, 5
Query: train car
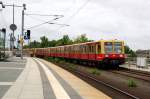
108, 52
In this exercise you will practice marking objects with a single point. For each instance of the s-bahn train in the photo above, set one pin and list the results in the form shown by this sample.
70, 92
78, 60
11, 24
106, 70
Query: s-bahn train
108, 52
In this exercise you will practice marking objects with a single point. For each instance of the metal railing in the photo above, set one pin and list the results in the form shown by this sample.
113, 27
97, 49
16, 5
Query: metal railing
133, 61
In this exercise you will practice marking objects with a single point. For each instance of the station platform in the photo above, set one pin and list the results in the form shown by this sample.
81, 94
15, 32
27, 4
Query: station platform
33, 78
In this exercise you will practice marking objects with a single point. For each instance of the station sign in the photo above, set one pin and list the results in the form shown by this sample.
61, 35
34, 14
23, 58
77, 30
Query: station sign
13, 27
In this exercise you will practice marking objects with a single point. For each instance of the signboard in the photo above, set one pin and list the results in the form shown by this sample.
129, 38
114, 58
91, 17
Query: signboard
13, 27
26, 38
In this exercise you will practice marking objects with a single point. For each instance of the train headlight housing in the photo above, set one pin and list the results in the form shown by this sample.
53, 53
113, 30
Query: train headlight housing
121, 55
106, 55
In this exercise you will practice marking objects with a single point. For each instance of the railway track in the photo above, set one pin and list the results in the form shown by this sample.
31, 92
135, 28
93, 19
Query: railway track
99, 82
145, 76
108, 85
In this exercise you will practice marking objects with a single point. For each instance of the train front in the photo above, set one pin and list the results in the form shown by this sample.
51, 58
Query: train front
113, 52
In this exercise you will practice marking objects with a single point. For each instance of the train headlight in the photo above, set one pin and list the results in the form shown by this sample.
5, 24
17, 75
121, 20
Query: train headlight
121, 55
106, 55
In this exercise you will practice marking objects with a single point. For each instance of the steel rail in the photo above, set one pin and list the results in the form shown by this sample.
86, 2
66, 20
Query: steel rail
101, 82
137, 72
108, 85
133, 75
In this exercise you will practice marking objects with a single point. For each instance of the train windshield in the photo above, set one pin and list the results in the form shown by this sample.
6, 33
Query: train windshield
117, 47
108, 47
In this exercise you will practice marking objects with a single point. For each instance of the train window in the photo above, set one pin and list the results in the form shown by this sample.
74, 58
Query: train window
94, 49
77, 49
87, 50
65, 50
117, 47
108, 47
91, 49
82, 48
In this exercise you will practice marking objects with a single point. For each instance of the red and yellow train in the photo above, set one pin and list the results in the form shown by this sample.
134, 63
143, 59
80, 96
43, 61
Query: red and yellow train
108, 52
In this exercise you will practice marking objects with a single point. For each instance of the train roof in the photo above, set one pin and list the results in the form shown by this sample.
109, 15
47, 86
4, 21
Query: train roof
89, 43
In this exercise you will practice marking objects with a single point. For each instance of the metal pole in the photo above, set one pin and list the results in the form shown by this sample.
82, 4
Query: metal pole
13, 30
10, 41
18, 43
22, 34
4, 43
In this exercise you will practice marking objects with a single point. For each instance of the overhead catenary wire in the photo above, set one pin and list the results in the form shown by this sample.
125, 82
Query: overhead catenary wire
47, 22
35, 18
75, 13
44, 22
79, 9
37, 25
45, 15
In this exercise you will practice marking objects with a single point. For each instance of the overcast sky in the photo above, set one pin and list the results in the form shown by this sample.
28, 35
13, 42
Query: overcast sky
127, 20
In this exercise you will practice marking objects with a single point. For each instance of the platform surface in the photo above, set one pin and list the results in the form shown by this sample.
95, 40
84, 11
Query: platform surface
33, 78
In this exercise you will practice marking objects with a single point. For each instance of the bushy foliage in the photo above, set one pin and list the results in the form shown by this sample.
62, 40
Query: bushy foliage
129, 52
95, 71
81, 39
132, 83
65, 40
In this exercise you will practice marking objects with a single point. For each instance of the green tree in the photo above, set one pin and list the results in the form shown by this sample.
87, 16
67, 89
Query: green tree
44, 41
25, 46
129, 51
64, 41
81, 39
35, 44
52, 43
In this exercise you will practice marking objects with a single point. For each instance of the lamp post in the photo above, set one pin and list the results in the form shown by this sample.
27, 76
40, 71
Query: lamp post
12, 26
22, 30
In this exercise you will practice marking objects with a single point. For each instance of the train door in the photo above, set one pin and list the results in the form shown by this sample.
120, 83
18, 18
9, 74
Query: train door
92, 51
99, 54
98, 48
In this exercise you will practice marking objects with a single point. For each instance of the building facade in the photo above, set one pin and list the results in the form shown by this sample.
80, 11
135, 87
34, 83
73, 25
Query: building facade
143, 53
2, 45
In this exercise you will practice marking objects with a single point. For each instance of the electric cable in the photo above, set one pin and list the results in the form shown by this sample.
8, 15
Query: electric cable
46, 22
74, 14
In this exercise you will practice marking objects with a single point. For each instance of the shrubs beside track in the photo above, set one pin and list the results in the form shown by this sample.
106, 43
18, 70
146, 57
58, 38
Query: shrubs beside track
94, 71
132, 83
